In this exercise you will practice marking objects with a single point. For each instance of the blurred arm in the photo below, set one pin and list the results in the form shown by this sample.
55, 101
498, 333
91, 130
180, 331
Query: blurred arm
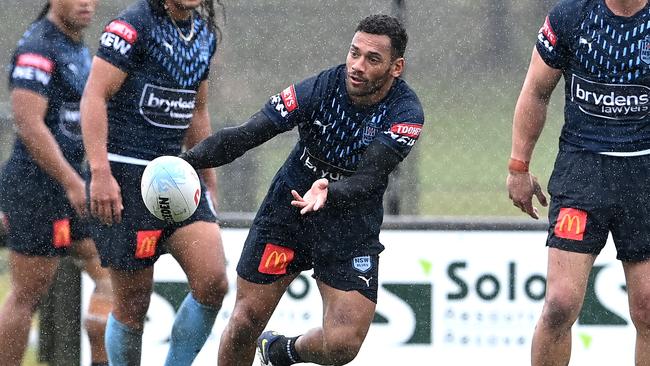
29, 110
200, 129
105, 197
228, 144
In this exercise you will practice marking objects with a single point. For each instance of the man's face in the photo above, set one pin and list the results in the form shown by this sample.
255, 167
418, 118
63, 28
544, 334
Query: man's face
184, 4
76, 14
370, 66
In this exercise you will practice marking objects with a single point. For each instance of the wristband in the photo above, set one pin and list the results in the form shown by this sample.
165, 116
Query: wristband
517, 166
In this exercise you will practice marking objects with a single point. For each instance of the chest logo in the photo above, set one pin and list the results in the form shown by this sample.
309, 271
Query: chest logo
645, 50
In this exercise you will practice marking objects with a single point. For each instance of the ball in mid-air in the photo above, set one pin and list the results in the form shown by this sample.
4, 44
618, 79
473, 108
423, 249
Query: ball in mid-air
170, 188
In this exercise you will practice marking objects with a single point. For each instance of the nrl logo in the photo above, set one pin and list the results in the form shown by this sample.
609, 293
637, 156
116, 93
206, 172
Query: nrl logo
645, 50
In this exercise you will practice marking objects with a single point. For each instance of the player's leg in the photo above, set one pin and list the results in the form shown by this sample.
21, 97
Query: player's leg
347, 318
197, 248
131, 296
254, 305
638, 289
100, 300
31, 277
566, 283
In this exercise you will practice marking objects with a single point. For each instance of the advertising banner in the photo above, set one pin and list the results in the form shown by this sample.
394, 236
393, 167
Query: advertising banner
445, 297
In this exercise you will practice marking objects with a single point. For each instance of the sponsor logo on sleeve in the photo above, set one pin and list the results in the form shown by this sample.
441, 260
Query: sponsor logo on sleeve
61, 233
405, 133
167, 108
146, 243
547, 36
285, 102
119, 36
32, 66
611, 101
571, 224
275, 259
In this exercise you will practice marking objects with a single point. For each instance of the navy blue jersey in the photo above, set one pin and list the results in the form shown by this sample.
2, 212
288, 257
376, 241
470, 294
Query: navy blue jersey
49, 63
150, 113
605, 60
334, 133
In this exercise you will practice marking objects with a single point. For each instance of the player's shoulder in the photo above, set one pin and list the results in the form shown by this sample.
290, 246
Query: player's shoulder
138, 15
405, 98
567, 12
39, 37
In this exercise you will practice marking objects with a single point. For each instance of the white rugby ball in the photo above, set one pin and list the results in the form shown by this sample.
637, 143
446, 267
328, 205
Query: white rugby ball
170, 188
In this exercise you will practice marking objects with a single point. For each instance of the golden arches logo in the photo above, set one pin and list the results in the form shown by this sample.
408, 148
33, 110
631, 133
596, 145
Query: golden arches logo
280, 260
571, 223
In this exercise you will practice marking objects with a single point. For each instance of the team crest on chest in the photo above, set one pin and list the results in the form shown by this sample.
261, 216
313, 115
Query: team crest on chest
644, 48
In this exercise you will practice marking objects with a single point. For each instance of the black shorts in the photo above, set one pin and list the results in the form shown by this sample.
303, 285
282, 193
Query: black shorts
39, 217
593, 195
138, 240
282, 242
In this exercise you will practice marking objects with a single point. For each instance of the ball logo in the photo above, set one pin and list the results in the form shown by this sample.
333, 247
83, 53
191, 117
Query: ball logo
197, 196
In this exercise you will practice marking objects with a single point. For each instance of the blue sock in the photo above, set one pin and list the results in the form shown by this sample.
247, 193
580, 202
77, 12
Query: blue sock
123, 343
191, 329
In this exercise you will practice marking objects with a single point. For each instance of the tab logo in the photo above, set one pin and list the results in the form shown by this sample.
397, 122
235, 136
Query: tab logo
275, 259
571, 224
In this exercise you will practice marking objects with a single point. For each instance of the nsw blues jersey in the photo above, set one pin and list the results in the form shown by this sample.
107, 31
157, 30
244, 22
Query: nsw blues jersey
150, 113
605, 60
334, 133
51, 64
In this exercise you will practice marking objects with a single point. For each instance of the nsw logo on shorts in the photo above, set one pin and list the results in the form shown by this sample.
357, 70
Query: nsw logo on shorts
362, 264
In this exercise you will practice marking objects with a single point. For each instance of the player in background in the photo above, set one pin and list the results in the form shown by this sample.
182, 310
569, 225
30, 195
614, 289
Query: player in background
42, 192
602, 172
147, 96
357, 121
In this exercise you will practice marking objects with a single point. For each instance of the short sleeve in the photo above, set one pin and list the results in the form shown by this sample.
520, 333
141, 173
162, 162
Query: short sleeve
118, 44
552, 39
287, 108
406, 120
33, 68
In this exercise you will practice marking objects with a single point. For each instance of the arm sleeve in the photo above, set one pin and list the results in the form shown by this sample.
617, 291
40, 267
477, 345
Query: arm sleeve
369, 180
553, 37
33, 69
228, 144
119, 41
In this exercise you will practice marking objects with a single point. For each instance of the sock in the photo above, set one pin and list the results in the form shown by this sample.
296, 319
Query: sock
191, 329
282, 351
123, 344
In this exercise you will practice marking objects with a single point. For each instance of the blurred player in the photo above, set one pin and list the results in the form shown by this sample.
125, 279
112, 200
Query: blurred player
602, 172
42, 192
146, 96
357, 122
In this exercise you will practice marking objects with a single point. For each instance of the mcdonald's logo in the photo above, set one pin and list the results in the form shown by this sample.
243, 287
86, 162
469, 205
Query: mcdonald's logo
571, 224
61, 233
275, 259
146, 242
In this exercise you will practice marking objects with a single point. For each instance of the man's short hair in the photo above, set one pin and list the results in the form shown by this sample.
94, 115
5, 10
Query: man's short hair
386, 25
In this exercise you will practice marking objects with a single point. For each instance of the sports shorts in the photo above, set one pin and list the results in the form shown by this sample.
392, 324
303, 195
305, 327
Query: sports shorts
593, 195
283, 242
138, 240
40, 219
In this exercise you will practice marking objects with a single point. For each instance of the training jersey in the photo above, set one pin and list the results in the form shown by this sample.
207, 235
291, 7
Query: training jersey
605, 60
334, 133
48, 62
149, 115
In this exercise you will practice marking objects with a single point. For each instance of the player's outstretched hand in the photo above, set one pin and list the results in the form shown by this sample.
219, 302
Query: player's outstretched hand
521, 189
314, 199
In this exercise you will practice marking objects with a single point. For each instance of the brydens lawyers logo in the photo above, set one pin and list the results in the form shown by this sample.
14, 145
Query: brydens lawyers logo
61, 233
571, 224
146, 242
275, 259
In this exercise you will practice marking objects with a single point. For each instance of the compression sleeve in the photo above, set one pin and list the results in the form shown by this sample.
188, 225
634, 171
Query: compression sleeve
370, 179
228, 144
